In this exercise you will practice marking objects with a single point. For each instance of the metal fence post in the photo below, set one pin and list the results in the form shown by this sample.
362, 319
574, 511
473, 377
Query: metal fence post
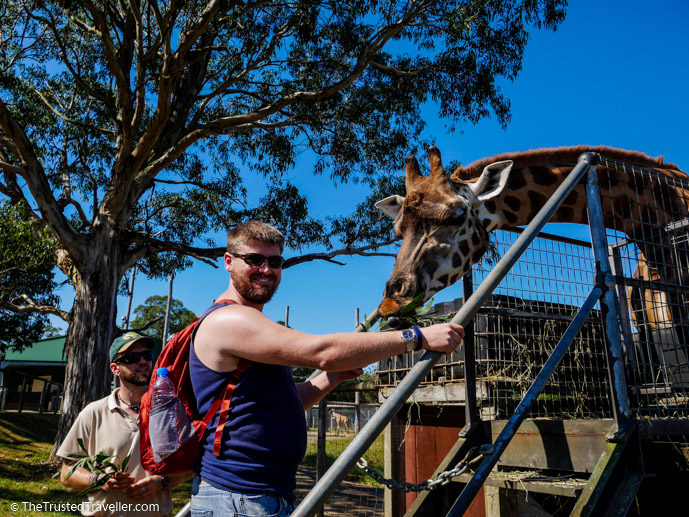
611, 326
472, 417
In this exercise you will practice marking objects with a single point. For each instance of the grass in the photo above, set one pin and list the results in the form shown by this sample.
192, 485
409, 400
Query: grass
334, 447
26, 473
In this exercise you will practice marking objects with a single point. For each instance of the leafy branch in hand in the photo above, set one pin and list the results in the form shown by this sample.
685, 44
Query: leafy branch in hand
100, 463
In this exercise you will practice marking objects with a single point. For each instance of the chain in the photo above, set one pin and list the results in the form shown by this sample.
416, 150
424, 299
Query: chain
473, 456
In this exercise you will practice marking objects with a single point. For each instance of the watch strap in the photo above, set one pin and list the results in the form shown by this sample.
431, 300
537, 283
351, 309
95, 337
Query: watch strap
419, 338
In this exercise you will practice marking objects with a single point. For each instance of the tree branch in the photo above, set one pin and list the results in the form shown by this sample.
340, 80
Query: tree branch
140, 79
362, 251
246, 121
11, 168
208, 255
149, 324
67, 119
395, 71
30, 306
66, 61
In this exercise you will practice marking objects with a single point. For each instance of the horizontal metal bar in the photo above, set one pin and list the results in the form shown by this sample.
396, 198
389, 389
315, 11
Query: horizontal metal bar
651, 284
553, 237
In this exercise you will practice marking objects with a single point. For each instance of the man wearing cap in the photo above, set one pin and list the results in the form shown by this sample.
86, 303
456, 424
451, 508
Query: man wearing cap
111, 425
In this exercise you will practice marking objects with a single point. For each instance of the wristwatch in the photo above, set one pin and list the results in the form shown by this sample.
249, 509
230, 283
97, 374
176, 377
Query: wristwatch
164, 482
410, 339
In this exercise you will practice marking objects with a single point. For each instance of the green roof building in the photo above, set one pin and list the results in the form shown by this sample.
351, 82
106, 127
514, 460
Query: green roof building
23, 375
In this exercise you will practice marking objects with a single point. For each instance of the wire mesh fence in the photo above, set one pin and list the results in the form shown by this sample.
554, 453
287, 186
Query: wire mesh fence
358, 495
519, 325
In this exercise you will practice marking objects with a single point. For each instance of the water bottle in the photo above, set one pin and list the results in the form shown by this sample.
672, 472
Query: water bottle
164, 422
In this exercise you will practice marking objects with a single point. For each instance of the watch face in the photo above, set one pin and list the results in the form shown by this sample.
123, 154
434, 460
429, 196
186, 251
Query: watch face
408, 335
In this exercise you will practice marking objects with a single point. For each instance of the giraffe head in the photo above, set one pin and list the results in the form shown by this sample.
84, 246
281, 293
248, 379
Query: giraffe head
444, 226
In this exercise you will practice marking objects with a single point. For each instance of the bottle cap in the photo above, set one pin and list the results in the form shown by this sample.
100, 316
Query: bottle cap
162, 372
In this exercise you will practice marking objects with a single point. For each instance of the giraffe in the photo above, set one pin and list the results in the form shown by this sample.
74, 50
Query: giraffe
445, 221
341, 421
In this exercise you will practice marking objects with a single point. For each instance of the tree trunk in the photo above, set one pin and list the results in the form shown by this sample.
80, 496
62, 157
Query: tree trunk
87, 375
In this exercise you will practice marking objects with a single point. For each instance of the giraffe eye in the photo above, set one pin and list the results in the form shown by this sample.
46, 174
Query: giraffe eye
458, 218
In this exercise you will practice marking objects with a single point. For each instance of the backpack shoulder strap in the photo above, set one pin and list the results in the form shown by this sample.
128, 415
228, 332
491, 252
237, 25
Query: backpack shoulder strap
224, 398
226, 401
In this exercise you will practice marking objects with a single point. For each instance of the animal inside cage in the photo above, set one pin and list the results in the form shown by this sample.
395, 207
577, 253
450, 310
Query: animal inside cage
517, 327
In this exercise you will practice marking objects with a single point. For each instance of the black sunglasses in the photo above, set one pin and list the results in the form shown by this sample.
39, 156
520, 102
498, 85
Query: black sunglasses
257, 260
133, 357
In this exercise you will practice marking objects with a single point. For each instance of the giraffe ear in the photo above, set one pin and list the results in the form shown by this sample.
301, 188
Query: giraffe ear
492, 180
390, 206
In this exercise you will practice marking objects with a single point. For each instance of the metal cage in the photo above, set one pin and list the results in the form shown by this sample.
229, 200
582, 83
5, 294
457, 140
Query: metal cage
524, 318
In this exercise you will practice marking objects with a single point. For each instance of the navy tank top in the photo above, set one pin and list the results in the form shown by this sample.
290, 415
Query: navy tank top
264, 439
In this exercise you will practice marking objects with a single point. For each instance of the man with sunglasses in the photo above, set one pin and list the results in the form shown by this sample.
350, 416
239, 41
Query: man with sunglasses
264, 438
110, 425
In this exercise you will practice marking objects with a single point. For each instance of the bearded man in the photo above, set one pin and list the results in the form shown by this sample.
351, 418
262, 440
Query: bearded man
251, 470
110, 425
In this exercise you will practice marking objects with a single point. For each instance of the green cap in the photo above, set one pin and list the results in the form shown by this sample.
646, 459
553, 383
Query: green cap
126, 340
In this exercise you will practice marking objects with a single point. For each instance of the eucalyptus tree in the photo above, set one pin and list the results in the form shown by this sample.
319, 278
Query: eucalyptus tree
128, 126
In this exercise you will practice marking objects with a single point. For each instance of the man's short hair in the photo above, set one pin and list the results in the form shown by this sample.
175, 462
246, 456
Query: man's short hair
253, 231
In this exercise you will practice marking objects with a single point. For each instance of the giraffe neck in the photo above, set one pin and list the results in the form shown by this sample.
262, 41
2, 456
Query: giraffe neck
537, 174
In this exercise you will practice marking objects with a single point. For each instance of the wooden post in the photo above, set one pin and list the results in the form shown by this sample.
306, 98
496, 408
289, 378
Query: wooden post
393, 439
500, 502
21, 395
44, 395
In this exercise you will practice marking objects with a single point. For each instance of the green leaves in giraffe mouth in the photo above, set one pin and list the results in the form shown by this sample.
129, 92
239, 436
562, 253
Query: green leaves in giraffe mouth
415, 313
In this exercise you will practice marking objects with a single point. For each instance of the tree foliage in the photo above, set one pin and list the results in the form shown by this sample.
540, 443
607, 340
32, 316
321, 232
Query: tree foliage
155, 307
26, 278
129, 129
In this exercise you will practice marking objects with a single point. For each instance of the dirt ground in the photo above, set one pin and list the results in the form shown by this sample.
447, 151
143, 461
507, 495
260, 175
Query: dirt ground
349, 500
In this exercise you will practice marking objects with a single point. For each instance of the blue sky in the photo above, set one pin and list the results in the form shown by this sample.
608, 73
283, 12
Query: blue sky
615, 73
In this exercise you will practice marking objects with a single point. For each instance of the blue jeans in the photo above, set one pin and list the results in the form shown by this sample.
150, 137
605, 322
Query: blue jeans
208, 501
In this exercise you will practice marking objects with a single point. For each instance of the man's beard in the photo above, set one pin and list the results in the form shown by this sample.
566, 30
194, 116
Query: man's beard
259, 294
136, 378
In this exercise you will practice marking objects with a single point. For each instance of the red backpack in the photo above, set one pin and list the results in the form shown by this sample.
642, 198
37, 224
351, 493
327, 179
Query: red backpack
175, 357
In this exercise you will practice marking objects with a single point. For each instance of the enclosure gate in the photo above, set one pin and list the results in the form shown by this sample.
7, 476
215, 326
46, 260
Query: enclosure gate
654, 353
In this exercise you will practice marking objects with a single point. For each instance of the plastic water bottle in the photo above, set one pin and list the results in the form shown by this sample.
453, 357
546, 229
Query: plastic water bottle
163, 426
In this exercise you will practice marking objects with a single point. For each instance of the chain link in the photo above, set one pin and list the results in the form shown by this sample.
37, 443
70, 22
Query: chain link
473, 456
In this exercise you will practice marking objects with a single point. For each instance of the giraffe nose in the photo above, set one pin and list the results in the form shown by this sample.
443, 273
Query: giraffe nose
394, 322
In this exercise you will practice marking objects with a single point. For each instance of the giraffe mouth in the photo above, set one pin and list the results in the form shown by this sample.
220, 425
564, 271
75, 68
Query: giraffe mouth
389, 307
402, 312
